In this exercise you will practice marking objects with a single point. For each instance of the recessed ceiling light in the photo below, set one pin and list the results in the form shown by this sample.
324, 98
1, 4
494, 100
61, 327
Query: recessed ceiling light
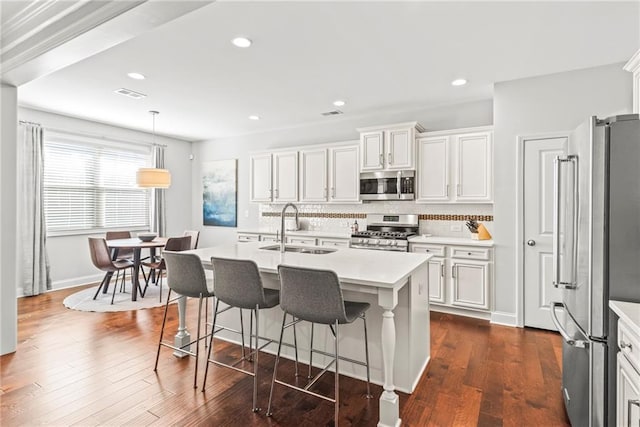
339, 103
136, 76
241, 42
458, 82
254, 117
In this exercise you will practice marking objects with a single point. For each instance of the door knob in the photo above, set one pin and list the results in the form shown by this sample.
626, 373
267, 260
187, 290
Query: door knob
531, 242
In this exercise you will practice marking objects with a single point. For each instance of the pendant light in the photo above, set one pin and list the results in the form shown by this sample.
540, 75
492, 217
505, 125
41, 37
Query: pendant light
153, 177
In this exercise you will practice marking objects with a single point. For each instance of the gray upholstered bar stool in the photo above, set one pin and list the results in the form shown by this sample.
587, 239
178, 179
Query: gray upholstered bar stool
238, 284
185, 276
315, 296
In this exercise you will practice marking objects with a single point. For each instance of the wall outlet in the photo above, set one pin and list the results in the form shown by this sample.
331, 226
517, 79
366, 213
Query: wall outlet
456, 227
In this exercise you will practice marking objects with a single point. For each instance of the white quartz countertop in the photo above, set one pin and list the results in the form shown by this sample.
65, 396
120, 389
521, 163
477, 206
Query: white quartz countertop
384, 269
441, 240
303, 233
627, 311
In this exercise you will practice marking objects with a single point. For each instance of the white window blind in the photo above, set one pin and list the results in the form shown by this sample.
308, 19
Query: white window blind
92, 187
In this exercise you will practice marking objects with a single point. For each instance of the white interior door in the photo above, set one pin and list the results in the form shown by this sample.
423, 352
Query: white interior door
539, 292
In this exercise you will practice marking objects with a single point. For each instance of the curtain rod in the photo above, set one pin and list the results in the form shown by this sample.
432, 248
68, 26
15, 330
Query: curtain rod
24, 122
98, 136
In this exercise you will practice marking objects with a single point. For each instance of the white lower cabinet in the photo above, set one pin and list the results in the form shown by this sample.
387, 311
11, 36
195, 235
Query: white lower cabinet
470, 283
308, 240
459, 276
336, 243
628, 375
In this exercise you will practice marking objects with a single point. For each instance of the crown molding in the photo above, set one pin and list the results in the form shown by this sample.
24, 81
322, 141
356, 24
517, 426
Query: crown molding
46, 36
633, 64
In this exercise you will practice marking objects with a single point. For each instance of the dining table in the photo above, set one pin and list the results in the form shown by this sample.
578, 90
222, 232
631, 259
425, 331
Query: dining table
137, 245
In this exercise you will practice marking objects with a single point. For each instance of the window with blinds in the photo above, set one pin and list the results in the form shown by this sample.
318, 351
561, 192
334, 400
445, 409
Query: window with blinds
91, 186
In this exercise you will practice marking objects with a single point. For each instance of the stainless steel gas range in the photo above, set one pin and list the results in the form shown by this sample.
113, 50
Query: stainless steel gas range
386, 233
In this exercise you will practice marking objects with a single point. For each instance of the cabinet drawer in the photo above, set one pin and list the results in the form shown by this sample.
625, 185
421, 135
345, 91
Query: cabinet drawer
435, 250
470, 252
248, 237
336, 243
629, 344
301, 241
268, 238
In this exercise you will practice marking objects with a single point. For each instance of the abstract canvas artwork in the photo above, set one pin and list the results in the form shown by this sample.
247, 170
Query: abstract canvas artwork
219, 193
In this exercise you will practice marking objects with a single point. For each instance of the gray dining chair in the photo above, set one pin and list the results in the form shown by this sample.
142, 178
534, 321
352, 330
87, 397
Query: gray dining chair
186, 277
238, 284
195, 235
315, 296
101, 259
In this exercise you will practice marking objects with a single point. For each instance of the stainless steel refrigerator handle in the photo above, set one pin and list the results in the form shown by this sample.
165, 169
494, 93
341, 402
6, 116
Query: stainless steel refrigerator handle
630, 403
565, 335
398, 184
557, 163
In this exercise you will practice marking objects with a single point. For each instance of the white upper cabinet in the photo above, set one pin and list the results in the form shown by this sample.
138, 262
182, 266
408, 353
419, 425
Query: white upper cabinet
260, 171
330, 174
313, 175
433, 169
390, 147
285, 176
344, 176
372, 147
455, 166
274, 178
474, 167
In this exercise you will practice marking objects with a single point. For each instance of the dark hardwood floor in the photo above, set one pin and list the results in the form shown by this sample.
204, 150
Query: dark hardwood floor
78, 368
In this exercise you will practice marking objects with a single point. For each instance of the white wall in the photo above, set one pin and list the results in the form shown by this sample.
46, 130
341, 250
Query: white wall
330, 129
557, 102
8, 199
69, 255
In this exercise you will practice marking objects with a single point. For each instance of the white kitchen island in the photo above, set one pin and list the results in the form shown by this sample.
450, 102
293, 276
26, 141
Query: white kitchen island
396, 285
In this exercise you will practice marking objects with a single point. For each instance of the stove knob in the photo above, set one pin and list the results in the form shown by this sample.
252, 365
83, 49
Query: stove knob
385, 242
394, 243
375, 241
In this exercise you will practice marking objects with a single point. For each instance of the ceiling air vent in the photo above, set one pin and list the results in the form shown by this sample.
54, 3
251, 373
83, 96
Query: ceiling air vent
332, 113
130, 93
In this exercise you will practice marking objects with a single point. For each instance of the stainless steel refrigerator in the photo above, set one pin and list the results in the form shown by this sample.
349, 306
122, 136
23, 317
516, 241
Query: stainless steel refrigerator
596, 258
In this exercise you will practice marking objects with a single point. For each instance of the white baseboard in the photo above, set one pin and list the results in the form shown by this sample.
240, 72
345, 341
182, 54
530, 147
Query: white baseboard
460, 311
503, 318
69, 283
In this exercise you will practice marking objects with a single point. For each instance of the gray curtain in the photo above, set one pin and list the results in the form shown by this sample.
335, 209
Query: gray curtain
33, 232
158, 205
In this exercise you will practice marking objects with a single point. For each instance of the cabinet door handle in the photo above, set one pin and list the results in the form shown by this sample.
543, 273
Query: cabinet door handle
442, 270
624, 345
457, 189
381, 159
390, 157
333, 192
630, 403
447, 193
325, 192
453, 271
277, 194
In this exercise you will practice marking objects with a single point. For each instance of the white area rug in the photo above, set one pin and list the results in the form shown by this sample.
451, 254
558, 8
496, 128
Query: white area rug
83, 300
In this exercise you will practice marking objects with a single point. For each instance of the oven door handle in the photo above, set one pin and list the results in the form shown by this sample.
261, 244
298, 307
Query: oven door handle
565, 335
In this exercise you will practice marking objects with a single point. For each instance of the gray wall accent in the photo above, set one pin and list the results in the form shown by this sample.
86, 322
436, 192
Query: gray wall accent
8, 219
330, 129
552, 103
69, 270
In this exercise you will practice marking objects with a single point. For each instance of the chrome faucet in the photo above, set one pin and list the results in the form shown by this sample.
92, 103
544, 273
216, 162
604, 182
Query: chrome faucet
282, 227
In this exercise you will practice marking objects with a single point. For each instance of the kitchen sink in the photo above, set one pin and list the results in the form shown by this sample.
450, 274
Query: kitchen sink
300, 249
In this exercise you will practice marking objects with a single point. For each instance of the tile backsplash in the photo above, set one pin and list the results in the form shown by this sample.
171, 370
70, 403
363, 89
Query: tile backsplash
438, 220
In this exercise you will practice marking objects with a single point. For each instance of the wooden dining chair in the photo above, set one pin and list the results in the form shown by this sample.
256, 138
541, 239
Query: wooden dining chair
101, 259
174, 244
123, 254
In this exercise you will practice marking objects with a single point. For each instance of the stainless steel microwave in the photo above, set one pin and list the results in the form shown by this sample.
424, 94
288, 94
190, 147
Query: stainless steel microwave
387, 185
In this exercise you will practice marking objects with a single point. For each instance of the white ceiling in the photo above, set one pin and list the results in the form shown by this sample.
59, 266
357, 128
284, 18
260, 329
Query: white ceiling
376, 56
